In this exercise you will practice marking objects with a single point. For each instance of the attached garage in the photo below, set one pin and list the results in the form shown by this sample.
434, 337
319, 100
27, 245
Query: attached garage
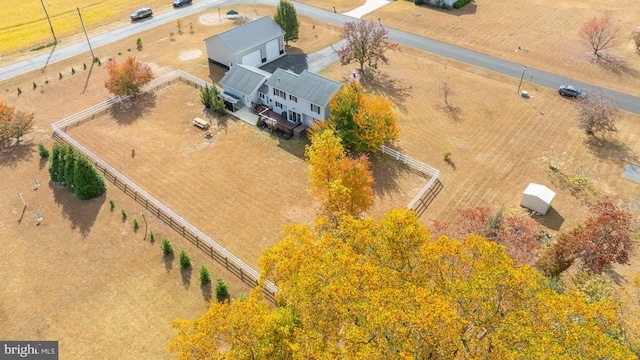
273, 49
252, 59
538, 198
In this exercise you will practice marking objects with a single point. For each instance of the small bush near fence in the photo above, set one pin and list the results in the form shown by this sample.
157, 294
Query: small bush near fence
42, 150
124, 214
152, 237
167, 248
222, 289
112, 205
205, 277
135, 224
185, 260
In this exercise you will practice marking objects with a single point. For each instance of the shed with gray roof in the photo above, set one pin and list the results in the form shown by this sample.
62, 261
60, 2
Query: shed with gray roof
254, 43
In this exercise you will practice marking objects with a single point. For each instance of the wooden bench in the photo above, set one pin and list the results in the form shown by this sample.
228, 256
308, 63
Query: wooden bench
200, 123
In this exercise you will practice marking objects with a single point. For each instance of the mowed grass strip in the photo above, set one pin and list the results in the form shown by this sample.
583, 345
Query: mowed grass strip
24, 23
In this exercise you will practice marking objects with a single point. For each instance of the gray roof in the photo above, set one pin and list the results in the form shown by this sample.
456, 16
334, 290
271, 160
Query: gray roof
251, 34
312, 87
246, 79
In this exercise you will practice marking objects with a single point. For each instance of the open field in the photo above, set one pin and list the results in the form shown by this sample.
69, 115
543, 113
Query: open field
85, 278
23, 24
547, 29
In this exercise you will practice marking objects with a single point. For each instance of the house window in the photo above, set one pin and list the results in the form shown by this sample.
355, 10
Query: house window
278, 105
293, 98
280, 93
315, 108
261, 95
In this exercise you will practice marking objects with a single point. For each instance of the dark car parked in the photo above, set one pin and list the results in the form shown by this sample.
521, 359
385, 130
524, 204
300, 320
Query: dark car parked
179, 3
141, 14
571, 91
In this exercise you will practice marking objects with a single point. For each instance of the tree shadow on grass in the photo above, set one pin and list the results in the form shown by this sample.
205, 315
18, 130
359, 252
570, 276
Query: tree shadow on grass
186, 276
385, 171
611, 149
207, 292
11, 155
81, 213
382, 83
168, 261
615, 65
128, 111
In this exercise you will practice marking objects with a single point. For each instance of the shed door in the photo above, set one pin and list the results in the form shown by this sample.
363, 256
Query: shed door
273, 49
253, 59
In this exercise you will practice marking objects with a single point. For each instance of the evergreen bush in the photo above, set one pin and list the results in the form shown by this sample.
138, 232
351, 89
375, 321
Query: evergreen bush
205, 277
167, 248
185, 260
222, 289
42, 150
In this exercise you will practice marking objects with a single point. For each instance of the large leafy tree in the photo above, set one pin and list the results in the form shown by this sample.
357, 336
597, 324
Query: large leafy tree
287, 18
600, 32
365, 44
341, 185
364, 122
604, 239
127, 78
14, 124
597, 114
384, 289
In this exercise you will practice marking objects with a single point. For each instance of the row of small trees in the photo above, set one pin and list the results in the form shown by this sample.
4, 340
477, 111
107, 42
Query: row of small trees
72, 169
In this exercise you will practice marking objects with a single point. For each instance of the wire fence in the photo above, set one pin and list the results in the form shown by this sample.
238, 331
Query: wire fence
424, 169
218, 253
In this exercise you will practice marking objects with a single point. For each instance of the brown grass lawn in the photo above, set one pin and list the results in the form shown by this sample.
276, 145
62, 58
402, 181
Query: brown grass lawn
547, 28
84, 277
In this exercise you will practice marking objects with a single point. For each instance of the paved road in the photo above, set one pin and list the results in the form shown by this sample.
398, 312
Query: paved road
624, 101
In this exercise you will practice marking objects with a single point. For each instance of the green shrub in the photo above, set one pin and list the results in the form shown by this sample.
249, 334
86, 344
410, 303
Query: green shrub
84, 66
457, 5
34, 85
60, 76
222, 289
259, 123
73, 71
167, 248
152, 237
135, 224
112, 204
42, 150
124, 214
88, 181
185, 260
419, 2
205, 277
139, 43
19, 91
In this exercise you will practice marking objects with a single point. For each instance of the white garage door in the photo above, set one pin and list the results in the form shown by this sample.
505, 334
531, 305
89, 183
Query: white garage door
273, 49
252, 59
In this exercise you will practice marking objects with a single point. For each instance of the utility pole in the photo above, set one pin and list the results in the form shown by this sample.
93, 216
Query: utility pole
93, 56
522, 77
55, 40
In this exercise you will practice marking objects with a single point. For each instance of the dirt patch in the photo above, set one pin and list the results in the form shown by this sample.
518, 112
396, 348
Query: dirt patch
212, 19
190, 54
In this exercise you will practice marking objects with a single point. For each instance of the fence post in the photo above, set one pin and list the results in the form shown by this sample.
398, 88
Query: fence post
158, 212
226, 262
182, 230
170, 221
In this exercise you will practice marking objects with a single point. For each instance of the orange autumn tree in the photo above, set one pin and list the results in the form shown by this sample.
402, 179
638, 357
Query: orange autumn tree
127, 78
341, 185
384, 289
364, 122
14, 123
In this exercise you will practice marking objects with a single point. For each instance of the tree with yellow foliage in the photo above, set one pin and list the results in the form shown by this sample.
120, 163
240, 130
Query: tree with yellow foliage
364, 122
384, 289
340, 184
